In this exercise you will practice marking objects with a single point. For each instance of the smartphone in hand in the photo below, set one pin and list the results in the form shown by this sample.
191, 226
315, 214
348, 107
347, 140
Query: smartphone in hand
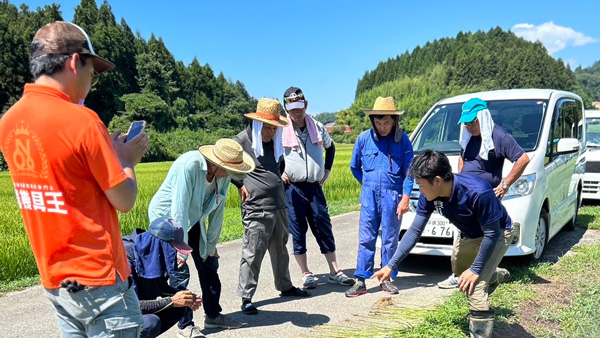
135, 128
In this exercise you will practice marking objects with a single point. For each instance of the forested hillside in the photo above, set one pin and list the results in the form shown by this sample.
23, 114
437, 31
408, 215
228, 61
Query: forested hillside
450, 66
590, 80
176, 100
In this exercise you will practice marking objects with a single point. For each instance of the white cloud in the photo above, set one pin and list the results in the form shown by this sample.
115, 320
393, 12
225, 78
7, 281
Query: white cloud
552, 36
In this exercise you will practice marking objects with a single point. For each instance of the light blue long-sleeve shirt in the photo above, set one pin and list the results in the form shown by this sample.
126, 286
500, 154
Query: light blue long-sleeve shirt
182, 197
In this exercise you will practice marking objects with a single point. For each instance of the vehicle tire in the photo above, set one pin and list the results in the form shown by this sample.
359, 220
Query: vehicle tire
541, 237
570, 226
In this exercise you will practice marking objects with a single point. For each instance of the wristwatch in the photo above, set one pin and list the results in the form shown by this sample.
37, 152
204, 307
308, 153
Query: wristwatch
504, 185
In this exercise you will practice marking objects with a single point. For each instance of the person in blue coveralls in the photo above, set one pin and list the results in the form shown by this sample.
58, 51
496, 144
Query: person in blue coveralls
486, 231
380, 162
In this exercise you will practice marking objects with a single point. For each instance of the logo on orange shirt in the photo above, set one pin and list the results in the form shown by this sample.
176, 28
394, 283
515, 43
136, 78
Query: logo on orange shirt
24, 153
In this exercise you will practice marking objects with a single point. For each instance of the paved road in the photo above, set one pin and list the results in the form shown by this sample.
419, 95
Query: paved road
28, 314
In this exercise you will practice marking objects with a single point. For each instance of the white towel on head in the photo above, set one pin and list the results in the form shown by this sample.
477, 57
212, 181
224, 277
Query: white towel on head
486, 126
257, 143
257, 138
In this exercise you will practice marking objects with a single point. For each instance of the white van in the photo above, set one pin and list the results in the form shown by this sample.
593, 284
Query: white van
548, 125
591, 179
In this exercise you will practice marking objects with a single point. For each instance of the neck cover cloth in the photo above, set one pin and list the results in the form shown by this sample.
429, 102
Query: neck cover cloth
486, 126
257, 140
154, 257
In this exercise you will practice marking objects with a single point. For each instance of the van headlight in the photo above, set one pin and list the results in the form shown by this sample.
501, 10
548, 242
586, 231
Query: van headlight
522, 187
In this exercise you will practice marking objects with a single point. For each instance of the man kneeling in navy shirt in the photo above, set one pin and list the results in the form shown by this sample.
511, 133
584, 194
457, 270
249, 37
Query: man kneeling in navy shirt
485, 229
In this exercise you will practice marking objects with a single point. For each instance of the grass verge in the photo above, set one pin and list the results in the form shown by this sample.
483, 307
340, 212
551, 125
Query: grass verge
543, 300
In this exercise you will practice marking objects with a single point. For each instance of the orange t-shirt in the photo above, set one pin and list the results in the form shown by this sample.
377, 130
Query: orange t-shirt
61, 160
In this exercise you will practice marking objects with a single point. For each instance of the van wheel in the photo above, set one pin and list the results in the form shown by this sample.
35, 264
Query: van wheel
541, 237
570, 226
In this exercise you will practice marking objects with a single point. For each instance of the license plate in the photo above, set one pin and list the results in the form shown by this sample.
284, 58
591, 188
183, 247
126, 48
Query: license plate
438, 228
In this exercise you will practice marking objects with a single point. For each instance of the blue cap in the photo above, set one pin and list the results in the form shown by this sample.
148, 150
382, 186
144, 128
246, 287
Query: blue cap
470, 110
168, 230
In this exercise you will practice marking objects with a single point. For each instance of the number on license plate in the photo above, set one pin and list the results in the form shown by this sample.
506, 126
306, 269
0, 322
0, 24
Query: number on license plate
436, 228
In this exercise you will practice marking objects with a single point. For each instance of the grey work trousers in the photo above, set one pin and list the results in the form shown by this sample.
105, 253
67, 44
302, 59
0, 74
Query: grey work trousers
264, 230
463, 255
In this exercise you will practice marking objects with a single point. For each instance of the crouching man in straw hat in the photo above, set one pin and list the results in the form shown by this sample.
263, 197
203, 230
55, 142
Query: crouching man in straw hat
380, 162
152, 257
264, 211
305, 172
193, 194
50, 140
470, 203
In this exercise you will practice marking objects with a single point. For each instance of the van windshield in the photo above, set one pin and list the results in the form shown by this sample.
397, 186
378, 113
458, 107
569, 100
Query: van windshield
593, 132
521, 118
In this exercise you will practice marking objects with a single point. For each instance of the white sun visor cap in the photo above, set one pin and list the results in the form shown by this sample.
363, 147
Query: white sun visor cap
295, 105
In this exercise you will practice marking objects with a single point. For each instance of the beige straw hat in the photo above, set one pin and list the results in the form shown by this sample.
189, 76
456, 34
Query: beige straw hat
268, 111
229, 155
384, 106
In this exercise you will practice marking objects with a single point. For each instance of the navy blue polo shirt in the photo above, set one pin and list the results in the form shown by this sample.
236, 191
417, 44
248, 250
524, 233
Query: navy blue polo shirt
505, 147
471, 206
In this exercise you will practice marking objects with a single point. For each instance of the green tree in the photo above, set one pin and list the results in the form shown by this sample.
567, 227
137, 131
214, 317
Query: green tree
86, 16
153, 77
12, 55
325, 117
589, 78
198, 87
148, 107
109, 41
17, 28
161, 54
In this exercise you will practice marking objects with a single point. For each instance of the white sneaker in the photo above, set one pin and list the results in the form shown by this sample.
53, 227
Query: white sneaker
308, 280
450, 283
340, 278
190, 331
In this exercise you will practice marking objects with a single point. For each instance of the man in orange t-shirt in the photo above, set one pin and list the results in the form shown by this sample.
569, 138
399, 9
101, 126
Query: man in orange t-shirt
70, 176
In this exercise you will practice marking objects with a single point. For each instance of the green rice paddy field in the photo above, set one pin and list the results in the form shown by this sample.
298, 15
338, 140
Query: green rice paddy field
16, 259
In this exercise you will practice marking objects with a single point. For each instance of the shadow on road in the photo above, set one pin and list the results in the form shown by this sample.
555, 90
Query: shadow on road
273, 318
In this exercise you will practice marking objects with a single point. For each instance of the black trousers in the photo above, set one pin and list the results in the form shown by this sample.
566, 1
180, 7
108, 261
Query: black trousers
156, 324
207, 274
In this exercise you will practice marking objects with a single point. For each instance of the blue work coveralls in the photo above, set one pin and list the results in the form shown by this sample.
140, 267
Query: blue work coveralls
381, 165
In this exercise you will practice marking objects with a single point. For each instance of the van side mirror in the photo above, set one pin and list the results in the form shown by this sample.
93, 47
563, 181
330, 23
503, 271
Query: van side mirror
567, 146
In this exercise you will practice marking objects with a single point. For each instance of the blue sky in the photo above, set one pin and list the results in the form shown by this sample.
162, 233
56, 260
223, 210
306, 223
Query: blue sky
324, 47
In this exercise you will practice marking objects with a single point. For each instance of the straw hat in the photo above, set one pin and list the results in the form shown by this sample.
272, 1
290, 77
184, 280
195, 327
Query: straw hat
268, 111
384, 106
229, 155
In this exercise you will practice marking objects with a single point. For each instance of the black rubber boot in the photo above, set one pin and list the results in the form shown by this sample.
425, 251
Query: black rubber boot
481, 323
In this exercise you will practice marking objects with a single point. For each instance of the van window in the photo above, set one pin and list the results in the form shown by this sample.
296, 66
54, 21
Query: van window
593, 132
565, 124
520, 118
